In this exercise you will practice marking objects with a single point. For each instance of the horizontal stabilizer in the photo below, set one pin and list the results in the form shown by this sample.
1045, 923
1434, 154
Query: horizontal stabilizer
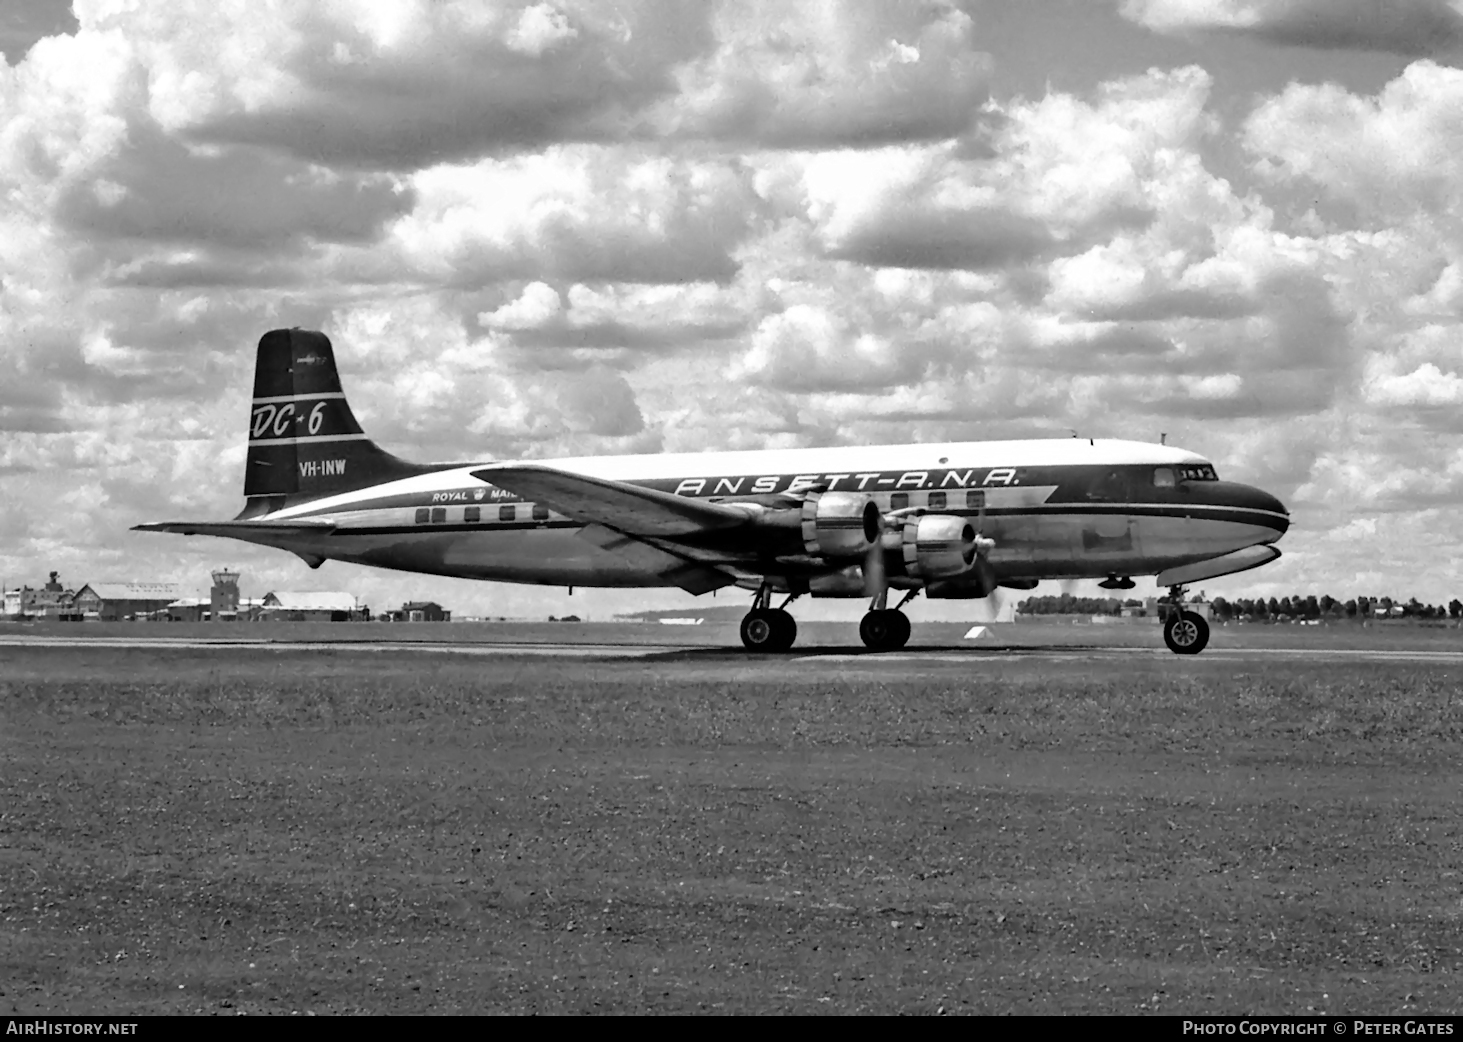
1239, 561
249, 530
620, 505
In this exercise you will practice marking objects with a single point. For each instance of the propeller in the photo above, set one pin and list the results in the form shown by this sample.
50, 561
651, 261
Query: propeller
876, 582
997, 606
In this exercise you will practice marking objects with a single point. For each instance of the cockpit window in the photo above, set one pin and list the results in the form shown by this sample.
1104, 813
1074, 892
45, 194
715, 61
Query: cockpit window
1163, 477
1197, 472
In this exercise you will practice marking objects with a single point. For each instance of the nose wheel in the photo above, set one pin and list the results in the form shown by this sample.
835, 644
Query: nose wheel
1186, 632
884, 629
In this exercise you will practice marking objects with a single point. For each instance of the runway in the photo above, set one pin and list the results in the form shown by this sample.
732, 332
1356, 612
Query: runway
984, 652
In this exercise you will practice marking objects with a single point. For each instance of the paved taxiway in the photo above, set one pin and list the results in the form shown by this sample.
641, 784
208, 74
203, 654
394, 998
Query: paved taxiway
938, 653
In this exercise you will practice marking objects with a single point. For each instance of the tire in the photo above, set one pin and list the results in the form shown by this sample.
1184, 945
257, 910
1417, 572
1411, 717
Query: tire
785, 627
900, 636
759, 632
885, 630
768, 629
1186, 633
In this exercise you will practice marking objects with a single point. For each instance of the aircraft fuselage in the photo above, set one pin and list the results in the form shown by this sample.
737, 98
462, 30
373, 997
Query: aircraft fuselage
1060, 509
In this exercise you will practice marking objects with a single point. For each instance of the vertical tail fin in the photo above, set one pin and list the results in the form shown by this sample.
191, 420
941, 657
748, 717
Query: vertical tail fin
304, 441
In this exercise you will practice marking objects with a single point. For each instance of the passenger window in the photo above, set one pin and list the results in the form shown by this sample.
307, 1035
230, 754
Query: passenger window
472, 515
937, 501
439, 515
422, 514
540, 512
1163, 478
899, 500
507, 512
975, 499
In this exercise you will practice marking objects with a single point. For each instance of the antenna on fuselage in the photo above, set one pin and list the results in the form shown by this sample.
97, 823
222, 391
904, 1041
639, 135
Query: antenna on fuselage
1163, 438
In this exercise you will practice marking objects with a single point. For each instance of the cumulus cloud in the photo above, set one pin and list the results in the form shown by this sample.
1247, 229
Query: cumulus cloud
836, 74
805, 347
1409, 27
352, 84
1060, 173
1393, 156
620, 325
1426, 385
417, 376
348, 84
578, 214
156, 189
538, 306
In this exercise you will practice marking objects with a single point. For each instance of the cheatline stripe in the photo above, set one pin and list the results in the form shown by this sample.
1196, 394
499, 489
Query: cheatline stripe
1137, 508
1076, 509
281, 398
309, 439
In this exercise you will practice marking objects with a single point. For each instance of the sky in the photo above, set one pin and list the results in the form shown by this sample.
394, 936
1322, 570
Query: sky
548, 229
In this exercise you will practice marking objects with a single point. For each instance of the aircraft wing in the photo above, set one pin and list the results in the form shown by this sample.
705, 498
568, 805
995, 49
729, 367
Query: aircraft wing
631, 509
676, 570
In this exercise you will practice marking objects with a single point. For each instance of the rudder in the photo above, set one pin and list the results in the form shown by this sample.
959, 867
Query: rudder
304, 441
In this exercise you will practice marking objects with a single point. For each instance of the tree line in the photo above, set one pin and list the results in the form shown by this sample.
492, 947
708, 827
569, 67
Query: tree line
1297, 606
1328, 607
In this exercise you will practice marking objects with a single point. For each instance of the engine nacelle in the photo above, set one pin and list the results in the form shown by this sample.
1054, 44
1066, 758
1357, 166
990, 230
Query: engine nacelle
938, 546
978, 583
840, 524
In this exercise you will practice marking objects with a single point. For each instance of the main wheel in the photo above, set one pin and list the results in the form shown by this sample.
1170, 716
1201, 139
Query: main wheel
785, 627
768, 629
901, 629
884, 630
1185, 632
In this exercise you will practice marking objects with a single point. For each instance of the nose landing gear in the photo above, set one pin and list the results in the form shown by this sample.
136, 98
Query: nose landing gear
1185, 632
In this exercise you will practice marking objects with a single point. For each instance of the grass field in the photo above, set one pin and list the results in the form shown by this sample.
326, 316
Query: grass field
237, 830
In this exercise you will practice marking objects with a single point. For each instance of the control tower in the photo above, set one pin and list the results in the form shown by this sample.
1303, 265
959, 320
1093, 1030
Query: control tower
223, 599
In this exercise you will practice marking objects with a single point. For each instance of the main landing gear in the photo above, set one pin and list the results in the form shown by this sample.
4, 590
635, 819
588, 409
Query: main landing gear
885, 629
766, 628
1185, 632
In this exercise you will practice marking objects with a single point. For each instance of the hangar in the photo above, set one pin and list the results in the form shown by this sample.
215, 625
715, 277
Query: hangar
283, 606
112, 601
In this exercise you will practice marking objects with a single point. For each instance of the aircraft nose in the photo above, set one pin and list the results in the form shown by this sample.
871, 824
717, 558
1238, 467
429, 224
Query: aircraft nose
1259, 499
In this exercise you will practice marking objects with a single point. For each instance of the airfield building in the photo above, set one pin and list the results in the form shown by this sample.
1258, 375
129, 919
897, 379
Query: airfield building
285, 606
114, 601
49, 601
421, 611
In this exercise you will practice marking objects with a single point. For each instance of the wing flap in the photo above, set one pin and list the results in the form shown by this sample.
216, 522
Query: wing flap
627, 508
690, 576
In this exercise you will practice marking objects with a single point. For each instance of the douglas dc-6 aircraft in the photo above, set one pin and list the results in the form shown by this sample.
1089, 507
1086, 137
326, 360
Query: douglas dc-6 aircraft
955, 520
